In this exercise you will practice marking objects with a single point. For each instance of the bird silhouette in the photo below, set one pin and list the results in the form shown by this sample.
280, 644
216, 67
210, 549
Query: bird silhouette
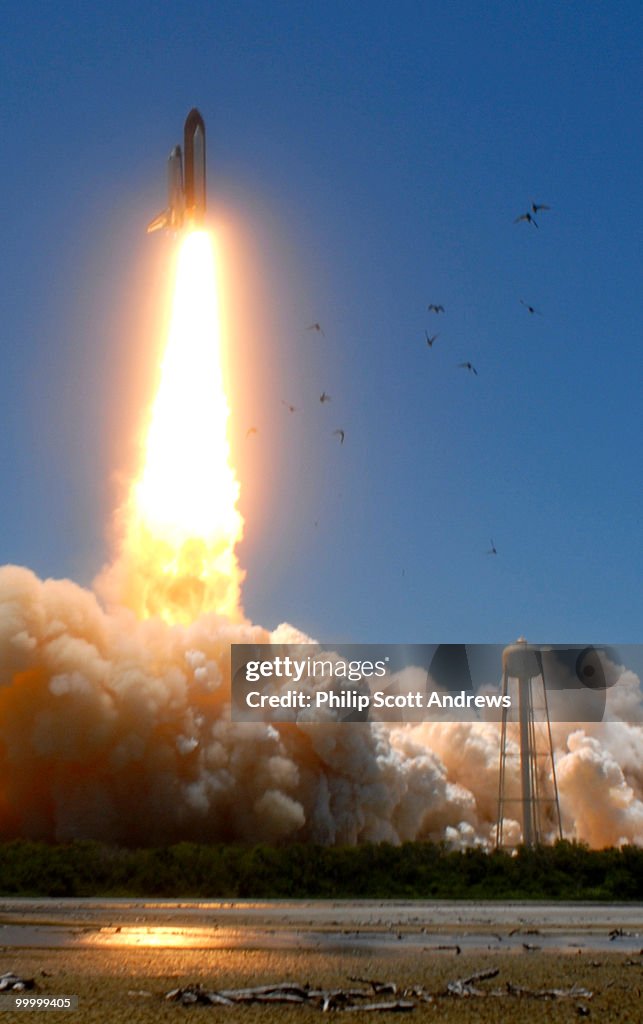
468, 366
432, 308
340, 434
526, 216
251, 430
316, 327
535, 207
289, 407
324, 397
530, 308
492, 549
431, 339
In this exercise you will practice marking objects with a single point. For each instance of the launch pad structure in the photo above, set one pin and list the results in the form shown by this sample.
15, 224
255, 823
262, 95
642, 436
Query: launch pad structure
536, 806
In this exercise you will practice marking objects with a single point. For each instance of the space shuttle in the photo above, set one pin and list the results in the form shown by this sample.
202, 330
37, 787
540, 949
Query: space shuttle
186, 180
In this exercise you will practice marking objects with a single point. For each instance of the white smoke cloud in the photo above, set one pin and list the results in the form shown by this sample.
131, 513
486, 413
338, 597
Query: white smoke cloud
119, 729
601, 797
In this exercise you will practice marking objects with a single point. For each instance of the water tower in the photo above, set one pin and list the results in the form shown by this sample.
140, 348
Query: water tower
536, 806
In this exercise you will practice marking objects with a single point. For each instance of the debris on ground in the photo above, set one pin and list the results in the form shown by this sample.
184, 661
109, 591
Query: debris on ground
620, 933
293, 993
345, 1000
466, 986
379, 987
400, 1006
10, 982
576, 991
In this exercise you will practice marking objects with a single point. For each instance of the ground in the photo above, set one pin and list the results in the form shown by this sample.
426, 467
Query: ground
110, 983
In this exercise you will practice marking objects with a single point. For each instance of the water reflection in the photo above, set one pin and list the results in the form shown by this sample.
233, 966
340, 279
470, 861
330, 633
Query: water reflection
323, 926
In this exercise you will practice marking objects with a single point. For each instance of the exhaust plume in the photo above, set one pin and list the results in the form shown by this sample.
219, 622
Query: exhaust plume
117, 729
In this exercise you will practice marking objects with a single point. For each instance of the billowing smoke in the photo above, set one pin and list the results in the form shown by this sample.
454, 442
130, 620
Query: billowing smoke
118, 729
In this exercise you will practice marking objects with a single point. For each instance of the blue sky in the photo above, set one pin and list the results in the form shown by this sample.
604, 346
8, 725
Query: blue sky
367, 160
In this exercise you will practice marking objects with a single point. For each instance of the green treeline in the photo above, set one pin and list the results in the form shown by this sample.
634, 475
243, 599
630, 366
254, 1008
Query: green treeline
567, 871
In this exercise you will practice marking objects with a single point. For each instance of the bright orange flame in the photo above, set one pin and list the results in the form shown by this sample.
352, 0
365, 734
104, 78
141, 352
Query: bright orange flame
181, 521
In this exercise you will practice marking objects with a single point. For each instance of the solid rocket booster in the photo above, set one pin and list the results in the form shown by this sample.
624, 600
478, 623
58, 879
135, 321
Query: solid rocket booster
194, 181
186, 180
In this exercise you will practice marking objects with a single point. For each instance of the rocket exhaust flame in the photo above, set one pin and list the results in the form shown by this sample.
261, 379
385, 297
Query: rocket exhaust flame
181, 521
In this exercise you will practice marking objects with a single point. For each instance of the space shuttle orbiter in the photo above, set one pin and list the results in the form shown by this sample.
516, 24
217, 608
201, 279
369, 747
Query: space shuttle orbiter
186, 180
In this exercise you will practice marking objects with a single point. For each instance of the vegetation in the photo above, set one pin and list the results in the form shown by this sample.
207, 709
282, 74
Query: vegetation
566, 871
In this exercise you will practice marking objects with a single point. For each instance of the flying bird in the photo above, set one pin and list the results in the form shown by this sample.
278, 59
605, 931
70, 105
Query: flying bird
340, 435
324, 397
530, 308
251, 430
435, 309
316, 327
526, 216
492, 549
431, 339
468, 366
535, 207
289, 407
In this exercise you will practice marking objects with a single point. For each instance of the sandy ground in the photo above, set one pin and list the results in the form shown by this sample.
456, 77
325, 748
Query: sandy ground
111, 984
